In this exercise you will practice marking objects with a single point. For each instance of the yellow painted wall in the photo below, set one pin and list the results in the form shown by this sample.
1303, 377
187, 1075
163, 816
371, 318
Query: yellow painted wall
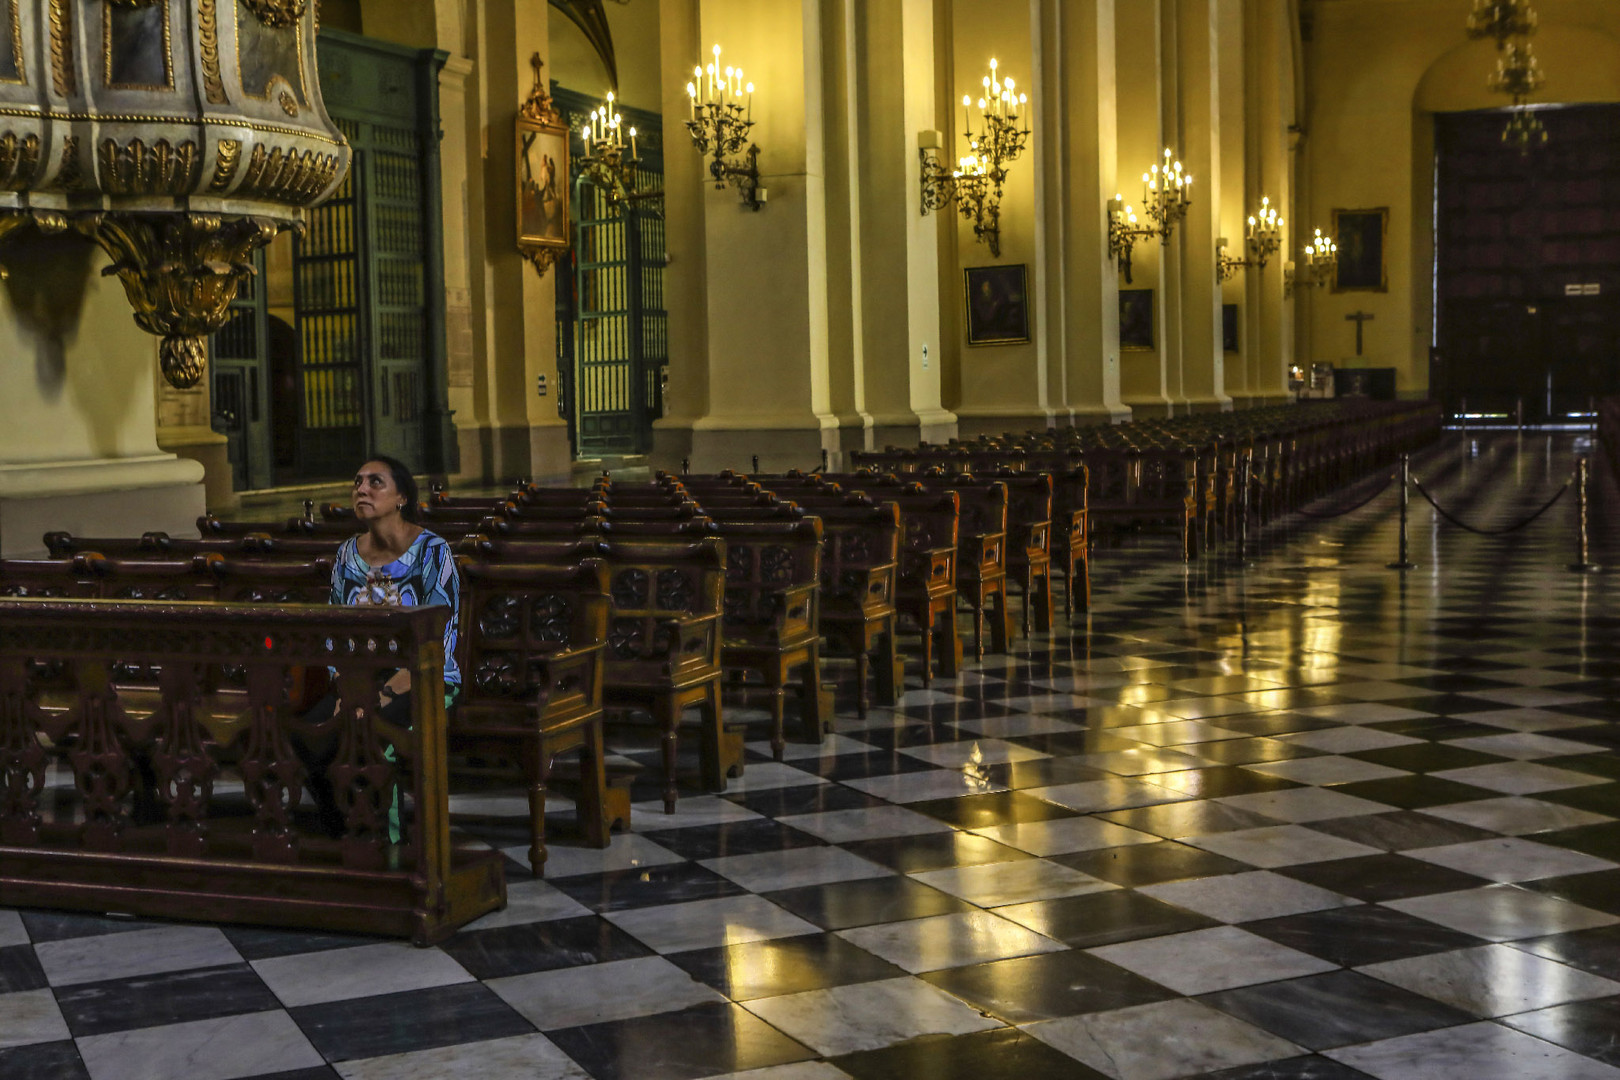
1376, 72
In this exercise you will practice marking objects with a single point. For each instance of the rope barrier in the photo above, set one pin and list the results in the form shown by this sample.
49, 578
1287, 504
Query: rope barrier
1490, 532
1326, 515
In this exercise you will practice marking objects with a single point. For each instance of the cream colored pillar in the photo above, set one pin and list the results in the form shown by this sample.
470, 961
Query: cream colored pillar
1003, 386
686, 202
1269, 77
522, 435
1198, 82
899, 254
1233, 171
1076, 147
764, 281
1144, 380
78, 429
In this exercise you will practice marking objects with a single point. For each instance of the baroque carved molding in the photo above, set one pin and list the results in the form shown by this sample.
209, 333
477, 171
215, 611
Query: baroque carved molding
180, 272
138, 169
289, 176
63, 77
227, 156
19, 160
278, 14
208, 35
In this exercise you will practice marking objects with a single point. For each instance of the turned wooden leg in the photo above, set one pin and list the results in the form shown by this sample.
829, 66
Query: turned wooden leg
669, 718
928, 654
978, 627
863, 664
713, 739
888, 694
1043, 609
778, 718
1027, 599
537, 807
592, 805
999, 629
812, 724
950, 642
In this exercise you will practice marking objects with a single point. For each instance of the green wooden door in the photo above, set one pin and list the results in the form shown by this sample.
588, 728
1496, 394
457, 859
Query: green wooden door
241, 385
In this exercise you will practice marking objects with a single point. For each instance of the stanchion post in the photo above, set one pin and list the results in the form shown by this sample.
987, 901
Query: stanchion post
1583, 563
1462, 416
1518, 412
1403, 560
309, 509
686, 465
756, 463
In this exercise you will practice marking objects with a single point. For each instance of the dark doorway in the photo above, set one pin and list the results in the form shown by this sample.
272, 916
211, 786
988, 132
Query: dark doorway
1527, 254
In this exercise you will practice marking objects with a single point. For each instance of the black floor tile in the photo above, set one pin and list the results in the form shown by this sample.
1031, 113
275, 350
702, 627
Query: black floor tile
542, 946
1042, 772
1201, 816
20, 970
415, 1020
1599, 889
1090, 741
933, 851
263, 943
1338, 1008
1283, 723
1313, 1067
867, 902
1442, 727
43, 1061
813, 798
784, 966
699, 1041
1596, 950
46, 926
1376, 878
1400, 831
1427, 757
1607, 764
733, 838
648, 886
154, 1000
1105, 918
997, 808
1600, 840
1598, 798
1048, 986
1252, 751
1365, 934
1415, 792
1586, 1027
1150, 864
1005, 1054
1456, 683
1222, 780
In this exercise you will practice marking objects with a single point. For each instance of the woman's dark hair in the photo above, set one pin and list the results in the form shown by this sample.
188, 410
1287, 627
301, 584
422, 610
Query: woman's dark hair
405, 484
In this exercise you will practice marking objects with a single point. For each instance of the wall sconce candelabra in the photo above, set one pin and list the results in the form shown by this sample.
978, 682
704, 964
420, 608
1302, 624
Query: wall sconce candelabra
1263, 239
1166, 197
610, 159
975, 184
722, 112
1321, 260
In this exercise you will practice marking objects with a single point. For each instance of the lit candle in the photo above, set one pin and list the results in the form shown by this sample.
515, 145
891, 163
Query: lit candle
633, 144
967, 117
750, 89
691, 100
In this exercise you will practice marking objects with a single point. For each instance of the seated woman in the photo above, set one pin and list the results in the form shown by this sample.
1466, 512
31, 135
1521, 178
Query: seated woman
394, 563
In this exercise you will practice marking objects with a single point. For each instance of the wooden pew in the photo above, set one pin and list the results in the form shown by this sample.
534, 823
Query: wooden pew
772, 621
981, 561
860, 562
531, 639
87, 849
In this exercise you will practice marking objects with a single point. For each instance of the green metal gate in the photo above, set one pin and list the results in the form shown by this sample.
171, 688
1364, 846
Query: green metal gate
612, 336
367, 293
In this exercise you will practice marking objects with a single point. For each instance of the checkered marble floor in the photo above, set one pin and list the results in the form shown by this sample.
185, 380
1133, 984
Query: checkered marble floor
1308, 818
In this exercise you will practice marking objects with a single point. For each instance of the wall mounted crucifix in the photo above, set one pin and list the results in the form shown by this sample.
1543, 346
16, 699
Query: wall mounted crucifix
1358, 318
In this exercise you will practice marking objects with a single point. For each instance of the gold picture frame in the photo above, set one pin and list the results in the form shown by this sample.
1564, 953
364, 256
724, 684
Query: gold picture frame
543, 232
996, 301
1362, 236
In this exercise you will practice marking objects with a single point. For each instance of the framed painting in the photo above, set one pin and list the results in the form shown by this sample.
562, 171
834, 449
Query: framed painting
1229, 328
997, 300
542, 184
1136, 320
1360, 235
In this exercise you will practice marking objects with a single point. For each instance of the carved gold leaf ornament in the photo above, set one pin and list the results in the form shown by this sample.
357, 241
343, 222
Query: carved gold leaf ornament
137, 169
278, 14
62, 73
19, 160
227, 155
180, 272
208, 39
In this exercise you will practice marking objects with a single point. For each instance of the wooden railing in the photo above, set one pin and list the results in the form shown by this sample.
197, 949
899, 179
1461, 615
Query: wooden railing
178, 725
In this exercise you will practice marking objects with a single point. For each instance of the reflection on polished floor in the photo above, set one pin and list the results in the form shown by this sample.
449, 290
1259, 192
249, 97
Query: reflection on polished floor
1311, 818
